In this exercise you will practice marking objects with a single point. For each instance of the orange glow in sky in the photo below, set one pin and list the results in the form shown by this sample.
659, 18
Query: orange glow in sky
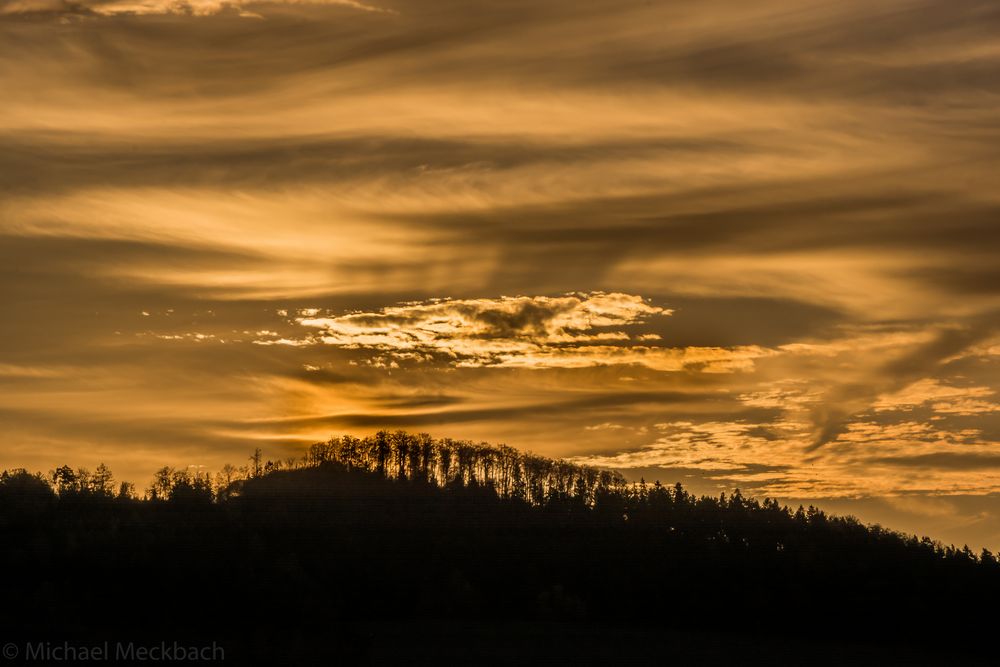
734, 244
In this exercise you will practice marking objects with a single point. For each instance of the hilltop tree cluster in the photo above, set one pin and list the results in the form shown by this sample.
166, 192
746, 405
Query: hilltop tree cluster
509, 473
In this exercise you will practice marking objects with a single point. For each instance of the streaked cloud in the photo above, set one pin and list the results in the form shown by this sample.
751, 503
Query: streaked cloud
943, 398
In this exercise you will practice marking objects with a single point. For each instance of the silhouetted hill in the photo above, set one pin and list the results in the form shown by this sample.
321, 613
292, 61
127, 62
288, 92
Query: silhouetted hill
399, 548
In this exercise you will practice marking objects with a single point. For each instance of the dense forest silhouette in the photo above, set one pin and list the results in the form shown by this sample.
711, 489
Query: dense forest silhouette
399, 547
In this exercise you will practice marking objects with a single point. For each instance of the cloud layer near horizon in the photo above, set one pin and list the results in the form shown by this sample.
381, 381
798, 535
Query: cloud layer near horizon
742, 244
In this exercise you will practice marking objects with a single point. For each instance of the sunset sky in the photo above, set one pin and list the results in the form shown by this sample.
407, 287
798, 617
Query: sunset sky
735, 244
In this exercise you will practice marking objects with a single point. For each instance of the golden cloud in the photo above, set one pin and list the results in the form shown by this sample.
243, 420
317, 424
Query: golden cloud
576, 330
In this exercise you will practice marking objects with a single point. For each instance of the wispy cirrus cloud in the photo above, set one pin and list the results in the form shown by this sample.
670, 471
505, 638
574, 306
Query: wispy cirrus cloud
941, 397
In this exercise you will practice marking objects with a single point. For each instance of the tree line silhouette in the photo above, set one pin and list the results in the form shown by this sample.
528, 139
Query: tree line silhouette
394, 529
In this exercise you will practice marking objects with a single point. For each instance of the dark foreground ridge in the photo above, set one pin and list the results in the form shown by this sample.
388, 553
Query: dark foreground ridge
400, 549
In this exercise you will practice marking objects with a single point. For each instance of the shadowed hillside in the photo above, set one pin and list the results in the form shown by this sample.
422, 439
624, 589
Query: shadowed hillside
398, 547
